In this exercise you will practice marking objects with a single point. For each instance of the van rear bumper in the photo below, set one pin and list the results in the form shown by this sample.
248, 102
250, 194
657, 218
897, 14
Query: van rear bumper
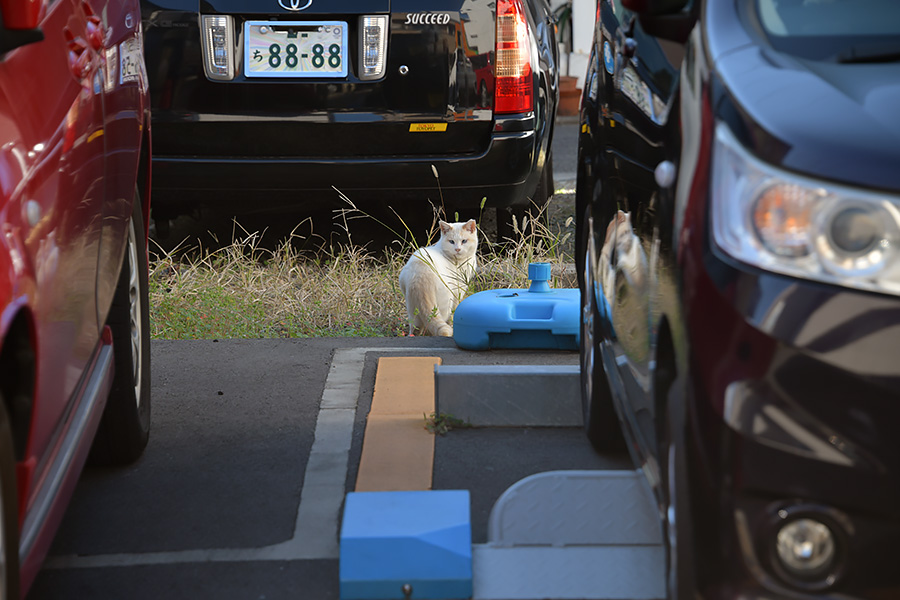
504, 174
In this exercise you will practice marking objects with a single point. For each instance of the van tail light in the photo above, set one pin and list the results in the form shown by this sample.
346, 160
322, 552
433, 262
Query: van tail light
372, 46
217, 38
513, 81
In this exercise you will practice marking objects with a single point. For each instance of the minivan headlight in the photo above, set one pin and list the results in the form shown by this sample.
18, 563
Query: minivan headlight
802, 227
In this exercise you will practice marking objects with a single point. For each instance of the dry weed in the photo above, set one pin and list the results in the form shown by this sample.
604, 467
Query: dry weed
245, 291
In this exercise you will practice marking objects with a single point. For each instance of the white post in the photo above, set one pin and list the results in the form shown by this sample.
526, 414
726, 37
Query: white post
583, 13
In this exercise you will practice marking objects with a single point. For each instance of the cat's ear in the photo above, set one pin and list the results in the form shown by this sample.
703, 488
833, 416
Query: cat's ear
445, 227
470, 226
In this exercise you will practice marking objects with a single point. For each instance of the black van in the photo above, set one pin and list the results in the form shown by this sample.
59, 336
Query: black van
269, 104
739, 195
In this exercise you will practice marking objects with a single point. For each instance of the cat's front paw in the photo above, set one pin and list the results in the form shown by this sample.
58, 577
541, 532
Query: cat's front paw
445, 331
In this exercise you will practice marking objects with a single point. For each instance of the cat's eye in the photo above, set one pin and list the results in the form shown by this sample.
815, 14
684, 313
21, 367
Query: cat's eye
452, 242
464, 241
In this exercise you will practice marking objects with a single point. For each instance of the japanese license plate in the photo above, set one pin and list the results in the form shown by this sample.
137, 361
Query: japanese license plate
295, 49
130, 61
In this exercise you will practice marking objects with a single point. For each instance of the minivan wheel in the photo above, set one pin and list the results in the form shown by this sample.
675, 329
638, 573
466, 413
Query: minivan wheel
125, 426
678, 524
601, 424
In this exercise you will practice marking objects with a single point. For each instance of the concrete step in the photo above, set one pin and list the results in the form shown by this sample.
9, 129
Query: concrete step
576, 573
572, 534
576, 508
510, 395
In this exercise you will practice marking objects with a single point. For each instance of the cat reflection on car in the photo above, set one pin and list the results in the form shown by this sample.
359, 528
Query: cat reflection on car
622, 252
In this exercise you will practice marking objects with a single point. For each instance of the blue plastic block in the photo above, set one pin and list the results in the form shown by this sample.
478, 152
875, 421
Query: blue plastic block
390, 539
540, 317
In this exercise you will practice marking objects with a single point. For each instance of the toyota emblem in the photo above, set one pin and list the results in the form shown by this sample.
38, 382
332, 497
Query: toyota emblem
294, 5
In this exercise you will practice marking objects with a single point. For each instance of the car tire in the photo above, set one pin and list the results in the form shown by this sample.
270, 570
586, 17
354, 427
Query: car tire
509, 225
674, 473
585, 191
125, 426
601, 423
537, 208
9, 512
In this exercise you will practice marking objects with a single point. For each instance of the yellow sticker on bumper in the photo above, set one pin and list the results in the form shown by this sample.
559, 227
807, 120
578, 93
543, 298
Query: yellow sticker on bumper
427, 127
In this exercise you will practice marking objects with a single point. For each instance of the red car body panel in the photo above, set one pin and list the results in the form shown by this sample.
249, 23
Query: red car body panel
73, 121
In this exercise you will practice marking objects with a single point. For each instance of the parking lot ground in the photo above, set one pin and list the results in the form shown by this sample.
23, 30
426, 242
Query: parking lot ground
221, 505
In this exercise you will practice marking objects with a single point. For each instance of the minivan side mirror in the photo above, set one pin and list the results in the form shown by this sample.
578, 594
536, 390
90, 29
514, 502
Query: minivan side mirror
667, 19
21, 19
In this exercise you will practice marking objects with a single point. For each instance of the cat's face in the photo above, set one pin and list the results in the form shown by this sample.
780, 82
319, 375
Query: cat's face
459, 240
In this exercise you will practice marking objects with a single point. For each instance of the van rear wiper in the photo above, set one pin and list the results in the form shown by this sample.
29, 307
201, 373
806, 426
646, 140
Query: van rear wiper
876, 52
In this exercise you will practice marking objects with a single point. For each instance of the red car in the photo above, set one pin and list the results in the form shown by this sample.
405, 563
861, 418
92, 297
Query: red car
74, 202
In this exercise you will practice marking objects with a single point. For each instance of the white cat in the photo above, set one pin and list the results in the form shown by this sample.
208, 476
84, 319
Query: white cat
436, 278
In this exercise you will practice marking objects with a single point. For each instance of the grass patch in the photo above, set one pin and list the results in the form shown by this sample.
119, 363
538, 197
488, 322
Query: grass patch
440, 424
245, 291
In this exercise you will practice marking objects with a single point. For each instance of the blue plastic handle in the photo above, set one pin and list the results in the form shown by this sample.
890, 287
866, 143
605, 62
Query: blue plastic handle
539, 274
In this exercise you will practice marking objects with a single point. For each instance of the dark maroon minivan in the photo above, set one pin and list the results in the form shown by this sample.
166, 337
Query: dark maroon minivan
739, 238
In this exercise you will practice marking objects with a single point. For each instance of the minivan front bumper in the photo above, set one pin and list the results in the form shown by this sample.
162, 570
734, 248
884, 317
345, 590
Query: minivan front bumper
797, 406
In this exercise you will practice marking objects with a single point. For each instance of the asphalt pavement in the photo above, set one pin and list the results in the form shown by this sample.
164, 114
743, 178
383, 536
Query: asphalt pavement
216, 506
565, 152
213, 509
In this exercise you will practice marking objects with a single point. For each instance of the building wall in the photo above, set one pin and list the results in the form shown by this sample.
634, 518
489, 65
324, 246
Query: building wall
576, 62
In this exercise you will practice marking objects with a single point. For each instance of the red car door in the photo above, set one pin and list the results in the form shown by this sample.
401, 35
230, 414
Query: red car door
116, 26
51, 93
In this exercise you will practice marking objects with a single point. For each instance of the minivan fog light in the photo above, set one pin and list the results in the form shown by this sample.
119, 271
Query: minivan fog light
372, 46
805, 548
217, 34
